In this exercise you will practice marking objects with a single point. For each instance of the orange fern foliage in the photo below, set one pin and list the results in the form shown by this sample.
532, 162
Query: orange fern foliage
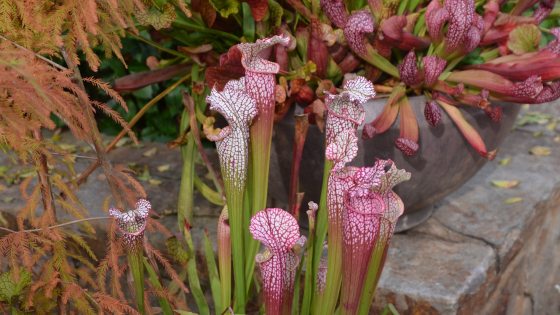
63, 273
46, 26
32, 91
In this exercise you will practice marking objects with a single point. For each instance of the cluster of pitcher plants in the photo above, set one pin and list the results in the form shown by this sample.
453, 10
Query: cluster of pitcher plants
327, 56
359, 206
297, 274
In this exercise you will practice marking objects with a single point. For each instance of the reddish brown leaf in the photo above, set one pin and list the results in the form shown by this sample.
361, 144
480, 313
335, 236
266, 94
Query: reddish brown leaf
206, 10
472, 136
317, 50
258, 8
349, 63
230, 68
386, 119
281, 57
408, 139
139, 80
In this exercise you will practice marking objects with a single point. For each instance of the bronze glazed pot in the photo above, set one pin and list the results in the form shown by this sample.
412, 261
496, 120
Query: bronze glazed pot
444, 162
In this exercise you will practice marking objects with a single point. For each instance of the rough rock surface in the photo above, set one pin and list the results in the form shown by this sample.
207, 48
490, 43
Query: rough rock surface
480, 255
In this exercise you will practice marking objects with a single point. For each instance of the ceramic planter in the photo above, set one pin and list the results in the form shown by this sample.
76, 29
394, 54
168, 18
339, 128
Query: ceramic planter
444, 162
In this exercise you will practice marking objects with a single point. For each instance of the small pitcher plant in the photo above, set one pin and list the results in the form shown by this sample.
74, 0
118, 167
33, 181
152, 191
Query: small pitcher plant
132, 224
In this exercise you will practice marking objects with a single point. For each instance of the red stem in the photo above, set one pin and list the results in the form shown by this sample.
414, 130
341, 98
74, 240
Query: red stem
44, 182
301, 128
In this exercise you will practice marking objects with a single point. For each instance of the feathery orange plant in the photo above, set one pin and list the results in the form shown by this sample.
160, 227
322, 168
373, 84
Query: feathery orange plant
48, 268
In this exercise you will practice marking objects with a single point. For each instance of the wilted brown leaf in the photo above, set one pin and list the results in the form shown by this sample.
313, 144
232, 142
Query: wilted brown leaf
540, 151
154, 182
259, 8
505, 183
163, 168
230, 68
206, 10
505, 161
513, 200
149, 153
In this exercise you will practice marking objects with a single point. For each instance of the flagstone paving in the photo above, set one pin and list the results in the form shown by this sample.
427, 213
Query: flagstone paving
487, 250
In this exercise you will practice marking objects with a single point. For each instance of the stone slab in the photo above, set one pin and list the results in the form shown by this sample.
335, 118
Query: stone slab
95, 194
479, 255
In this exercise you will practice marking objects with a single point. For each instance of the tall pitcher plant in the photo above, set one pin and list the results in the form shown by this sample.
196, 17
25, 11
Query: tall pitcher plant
359, 218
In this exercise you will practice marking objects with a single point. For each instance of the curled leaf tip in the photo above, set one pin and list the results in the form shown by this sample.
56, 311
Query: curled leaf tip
495, 113
432, 112
461, 15
392, 29
528, 88
474, 34
407, 146
549, 93
335, 10
368, 132
358, 25
394, 33
433, 67
252, 57
313, 206
554, 45
436, 16
312, 212
408, 70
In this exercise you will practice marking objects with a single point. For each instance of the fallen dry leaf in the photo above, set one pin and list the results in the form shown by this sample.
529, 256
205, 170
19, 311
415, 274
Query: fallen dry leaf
505, 183
3, 221
540, 151
513, 200
8, 199
154, 182
163, 168
505, 161
86, 149
151, 152
144, 175
532, 118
